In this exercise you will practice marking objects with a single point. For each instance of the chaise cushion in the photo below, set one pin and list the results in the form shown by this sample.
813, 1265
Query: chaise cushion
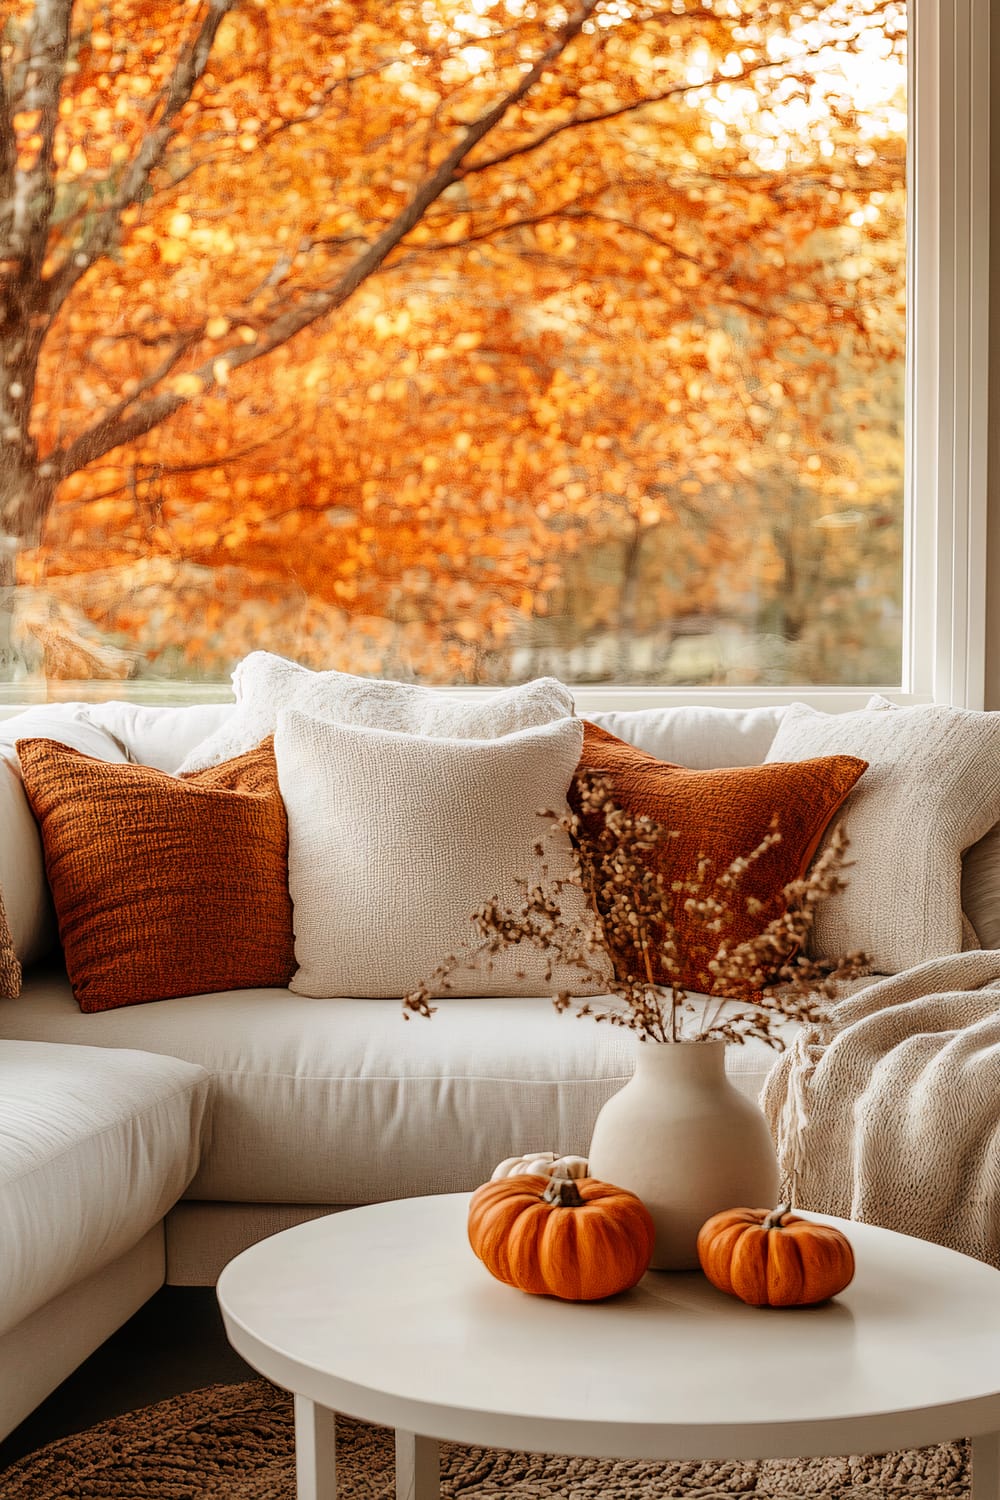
343, 1101
95, 1146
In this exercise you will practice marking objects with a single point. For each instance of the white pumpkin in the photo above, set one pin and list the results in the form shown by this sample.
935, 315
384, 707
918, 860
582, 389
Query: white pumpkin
541, 1164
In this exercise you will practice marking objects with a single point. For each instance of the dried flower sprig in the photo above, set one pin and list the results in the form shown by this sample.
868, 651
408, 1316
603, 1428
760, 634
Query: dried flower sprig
631, 922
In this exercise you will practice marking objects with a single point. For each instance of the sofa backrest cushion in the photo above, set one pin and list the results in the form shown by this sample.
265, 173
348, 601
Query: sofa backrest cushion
160, 736
163, 886
702, 738
265, 684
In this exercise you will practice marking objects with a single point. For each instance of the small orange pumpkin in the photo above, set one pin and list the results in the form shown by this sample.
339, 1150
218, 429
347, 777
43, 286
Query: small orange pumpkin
772, 1258
580, 1240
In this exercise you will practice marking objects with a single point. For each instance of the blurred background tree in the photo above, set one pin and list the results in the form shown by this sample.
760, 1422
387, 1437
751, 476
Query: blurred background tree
458, 339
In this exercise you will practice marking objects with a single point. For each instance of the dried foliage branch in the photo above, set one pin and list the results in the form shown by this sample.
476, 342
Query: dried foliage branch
630, 920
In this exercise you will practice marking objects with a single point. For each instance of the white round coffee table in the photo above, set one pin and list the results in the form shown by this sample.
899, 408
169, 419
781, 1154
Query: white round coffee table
384, 1313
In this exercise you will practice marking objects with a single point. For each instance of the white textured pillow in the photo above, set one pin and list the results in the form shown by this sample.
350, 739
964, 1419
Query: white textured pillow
980, 878
932, 788
395, 839
265, 684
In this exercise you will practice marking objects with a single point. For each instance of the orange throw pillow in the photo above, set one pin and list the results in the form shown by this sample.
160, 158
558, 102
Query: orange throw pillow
10, 966
162, 885
722, 815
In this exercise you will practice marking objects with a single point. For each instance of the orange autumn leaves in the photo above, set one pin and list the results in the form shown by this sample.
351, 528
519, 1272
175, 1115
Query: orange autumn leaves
576, 398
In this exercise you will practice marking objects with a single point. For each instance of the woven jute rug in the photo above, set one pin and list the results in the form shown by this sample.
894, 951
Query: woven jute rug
235, 1442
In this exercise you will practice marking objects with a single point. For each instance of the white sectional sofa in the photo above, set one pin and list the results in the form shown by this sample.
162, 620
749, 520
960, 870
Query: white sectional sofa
151, 1143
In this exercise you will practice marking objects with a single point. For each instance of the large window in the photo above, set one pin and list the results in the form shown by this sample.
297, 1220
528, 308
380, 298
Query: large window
454, 339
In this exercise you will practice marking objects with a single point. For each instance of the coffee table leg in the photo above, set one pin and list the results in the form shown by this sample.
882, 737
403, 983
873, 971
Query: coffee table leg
417, 1467
986, 1467
315, 1451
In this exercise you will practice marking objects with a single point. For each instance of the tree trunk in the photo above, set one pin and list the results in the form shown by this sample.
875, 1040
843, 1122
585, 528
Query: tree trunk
628, 600
12, 663
27, 484
25, 498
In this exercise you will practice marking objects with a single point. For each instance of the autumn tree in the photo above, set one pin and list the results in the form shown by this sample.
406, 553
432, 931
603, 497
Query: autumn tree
420, 298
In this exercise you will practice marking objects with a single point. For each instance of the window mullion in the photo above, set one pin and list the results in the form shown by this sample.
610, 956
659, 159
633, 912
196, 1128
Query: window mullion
948, 352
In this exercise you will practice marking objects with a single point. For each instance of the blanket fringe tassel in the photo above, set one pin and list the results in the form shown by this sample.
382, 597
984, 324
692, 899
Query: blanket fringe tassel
793, 1121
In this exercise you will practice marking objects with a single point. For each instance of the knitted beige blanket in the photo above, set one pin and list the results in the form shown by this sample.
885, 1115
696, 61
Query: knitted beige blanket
891, 1113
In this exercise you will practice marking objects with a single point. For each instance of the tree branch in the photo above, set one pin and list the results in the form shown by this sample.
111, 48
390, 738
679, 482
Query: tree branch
175, 94
153, 378
576, 214
146, 473
602, 116
214, 158
111, 432
531, 221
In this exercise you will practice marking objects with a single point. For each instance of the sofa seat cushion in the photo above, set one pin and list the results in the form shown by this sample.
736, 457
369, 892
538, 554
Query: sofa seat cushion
344, 1101
95, 1146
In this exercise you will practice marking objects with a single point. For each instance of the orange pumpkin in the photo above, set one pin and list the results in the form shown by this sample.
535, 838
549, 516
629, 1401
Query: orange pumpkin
772, 1258
580, 1240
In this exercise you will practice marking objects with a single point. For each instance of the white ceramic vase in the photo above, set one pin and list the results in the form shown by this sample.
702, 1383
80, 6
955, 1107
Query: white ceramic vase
687, 1142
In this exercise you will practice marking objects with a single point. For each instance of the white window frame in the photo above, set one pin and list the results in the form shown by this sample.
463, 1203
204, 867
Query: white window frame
948, 353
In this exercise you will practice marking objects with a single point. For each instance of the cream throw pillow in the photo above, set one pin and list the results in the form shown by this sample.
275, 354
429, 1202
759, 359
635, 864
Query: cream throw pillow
265, 684
932, 788
980, 878
395, 839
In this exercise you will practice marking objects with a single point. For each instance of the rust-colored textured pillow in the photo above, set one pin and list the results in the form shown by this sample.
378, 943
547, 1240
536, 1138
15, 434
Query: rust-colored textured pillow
10, 967
723, 814
163, 886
